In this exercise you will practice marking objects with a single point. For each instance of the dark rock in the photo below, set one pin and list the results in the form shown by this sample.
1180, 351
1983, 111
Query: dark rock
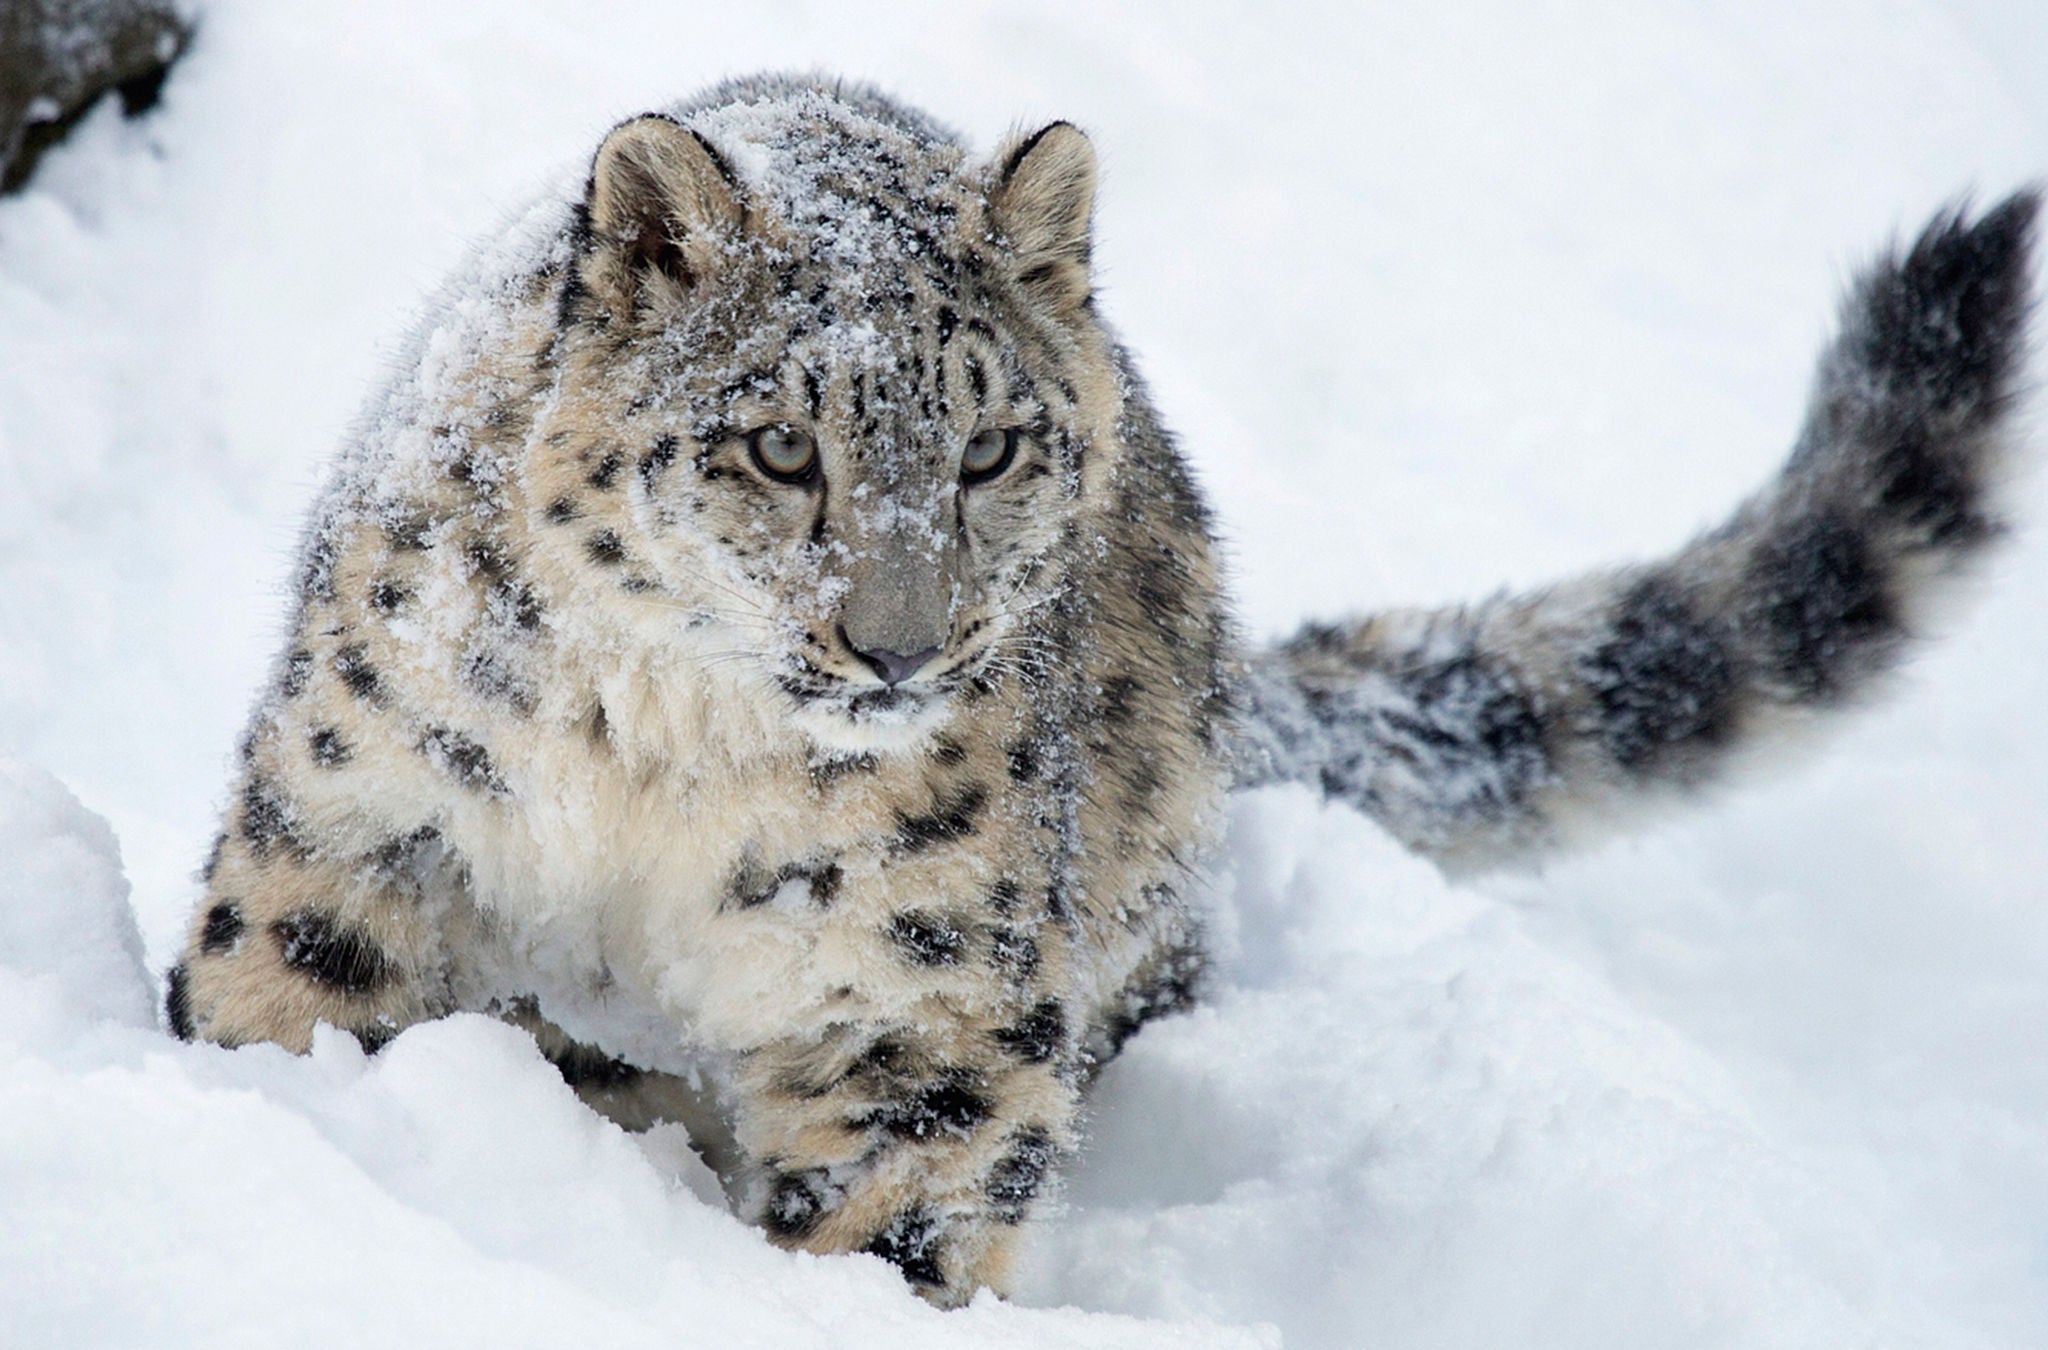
60, 57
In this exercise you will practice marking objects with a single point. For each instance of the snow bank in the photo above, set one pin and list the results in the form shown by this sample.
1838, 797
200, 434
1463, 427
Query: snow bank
450, 1192
65, 924
1405, 1117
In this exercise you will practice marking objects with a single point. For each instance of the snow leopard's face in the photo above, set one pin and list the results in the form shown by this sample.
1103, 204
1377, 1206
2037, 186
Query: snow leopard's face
861, 397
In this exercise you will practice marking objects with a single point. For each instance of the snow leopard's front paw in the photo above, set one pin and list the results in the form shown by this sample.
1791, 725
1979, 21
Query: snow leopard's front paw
927, 1147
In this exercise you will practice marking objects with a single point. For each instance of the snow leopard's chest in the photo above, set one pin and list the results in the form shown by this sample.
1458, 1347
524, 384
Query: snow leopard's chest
720, 896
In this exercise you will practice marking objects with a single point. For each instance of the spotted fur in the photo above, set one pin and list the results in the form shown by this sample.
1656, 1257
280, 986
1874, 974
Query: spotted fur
1483, 733
589, 720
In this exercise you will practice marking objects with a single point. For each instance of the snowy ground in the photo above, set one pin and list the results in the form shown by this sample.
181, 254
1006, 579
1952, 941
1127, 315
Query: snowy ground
1440, 297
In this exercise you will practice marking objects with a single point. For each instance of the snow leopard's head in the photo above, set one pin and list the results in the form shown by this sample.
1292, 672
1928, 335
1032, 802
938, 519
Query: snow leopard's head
852, 388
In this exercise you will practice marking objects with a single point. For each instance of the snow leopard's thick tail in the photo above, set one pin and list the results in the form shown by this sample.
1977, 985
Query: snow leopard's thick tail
1478, 733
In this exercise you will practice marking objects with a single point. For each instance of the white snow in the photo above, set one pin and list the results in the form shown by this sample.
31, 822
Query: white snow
1438, 298
66, 928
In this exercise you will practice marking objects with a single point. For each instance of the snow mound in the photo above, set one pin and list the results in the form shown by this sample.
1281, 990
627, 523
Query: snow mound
65, 921
451, 1191
1402, 1112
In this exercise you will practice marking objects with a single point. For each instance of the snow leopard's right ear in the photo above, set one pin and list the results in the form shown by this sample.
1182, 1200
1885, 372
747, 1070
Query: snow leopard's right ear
1041, 203
661, 212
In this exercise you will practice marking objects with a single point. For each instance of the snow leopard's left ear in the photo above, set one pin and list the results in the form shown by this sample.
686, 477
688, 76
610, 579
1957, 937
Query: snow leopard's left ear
661, 212
1041, 203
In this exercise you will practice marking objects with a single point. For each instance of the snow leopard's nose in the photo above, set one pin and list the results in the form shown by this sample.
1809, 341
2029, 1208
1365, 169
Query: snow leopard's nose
896, 613
893, 667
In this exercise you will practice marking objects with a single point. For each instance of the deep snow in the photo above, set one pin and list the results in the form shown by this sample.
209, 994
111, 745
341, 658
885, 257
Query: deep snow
1438, 298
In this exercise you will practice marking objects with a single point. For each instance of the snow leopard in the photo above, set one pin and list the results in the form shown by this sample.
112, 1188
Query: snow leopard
765, 641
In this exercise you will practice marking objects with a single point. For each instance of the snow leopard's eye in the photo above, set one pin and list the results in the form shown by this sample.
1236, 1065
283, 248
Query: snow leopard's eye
784, 454
987, 454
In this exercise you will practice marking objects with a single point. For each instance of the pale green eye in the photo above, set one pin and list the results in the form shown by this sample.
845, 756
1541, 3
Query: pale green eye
988, 453
784, 454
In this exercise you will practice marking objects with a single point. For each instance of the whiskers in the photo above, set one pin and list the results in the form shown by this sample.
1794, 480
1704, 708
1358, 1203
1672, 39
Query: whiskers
1009, 607
736, 604
1020, 650
753, 638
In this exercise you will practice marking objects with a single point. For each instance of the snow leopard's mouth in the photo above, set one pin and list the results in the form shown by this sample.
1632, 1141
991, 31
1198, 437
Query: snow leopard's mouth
875, 719
844, 715
819, 689
880, 703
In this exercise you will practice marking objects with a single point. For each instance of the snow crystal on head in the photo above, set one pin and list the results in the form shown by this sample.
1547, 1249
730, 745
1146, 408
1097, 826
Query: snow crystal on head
817, 154
855, 96
868, 194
